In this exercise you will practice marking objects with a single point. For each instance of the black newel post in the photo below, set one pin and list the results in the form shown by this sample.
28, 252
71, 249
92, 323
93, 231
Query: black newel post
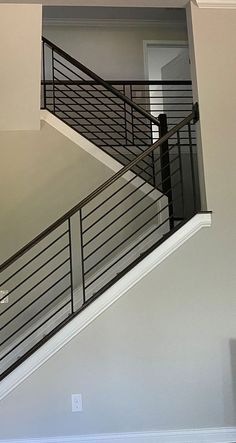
165, 167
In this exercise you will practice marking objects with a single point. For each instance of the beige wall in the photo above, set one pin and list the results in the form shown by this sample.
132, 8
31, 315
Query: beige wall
114, 53
43, 175
163, 358
20, 50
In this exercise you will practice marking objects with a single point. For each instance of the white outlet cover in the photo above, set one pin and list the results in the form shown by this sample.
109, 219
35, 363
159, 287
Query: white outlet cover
76, 402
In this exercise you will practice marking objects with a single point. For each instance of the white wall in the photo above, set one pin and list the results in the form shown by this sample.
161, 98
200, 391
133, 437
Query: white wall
20, 49
114, 53
164, 356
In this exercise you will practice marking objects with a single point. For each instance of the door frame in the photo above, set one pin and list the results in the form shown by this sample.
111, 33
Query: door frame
159, 44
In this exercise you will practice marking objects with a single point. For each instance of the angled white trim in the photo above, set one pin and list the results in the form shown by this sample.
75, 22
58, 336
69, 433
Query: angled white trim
115, 22
218, 4
103, 302
86, 145
79, 140
203, 435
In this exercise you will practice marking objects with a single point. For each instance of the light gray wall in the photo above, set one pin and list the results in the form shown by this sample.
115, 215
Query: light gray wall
161, 358
114, 53
157, 359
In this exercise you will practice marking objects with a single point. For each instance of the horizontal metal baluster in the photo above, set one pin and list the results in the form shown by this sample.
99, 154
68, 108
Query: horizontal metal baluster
35, 315
34, 301
113, 148
136, 244
38, 269
35, 286
126, 184
127, 224
85, 90
31, 260
36, 329
124, 241
96, 98
100, 137
129, 208
125, 198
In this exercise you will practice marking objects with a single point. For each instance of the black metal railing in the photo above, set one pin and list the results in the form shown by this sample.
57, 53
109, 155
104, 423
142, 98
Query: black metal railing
120, 117
171, 97
76, 259
96, 109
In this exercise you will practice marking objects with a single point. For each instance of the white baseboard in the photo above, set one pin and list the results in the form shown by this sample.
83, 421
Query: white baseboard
203, 435
103, 302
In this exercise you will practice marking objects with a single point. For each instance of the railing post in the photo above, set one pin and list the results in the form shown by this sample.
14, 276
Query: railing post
181, 173
44, 76
53, 83
132, 115
71, 266
192, 168
82, 256
165, 167
125, 117
153, 157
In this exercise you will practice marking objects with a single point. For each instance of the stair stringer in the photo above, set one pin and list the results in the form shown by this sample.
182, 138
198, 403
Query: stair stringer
171, 244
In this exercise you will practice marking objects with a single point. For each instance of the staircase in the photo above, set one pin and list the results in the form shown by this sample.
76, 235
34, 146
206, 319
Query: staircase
85, 253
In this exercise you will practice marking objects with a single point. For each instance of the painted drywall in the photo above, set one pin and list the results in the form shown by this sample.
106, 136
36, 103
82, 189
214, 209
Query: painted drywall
20, 49
164, 356
45, 175
114, 53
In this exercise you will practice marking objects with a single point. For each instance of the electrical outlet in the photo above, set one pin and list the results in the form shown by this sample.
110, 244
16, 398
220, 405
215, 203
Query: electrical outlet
76, 402
3, 293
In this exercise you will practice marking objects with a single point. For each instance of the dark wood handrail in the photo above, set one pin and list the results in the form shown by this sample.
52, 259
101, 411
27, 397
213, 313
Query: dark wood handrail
99, 80
101, 188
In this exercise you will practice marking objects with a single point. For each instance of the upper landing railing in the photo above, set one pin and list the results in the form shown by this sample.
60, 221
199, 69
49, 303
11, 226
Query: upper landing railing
120, 117
96, 109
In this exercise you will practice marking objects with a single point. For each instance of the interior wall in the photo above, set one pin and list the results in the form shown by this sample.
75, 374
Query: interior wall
113, 52
20, 73
45, 175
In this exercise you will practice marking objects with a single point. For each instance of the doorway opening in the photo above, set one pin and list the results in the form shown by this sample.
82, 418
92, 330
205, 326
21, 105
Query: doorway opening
165, 62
